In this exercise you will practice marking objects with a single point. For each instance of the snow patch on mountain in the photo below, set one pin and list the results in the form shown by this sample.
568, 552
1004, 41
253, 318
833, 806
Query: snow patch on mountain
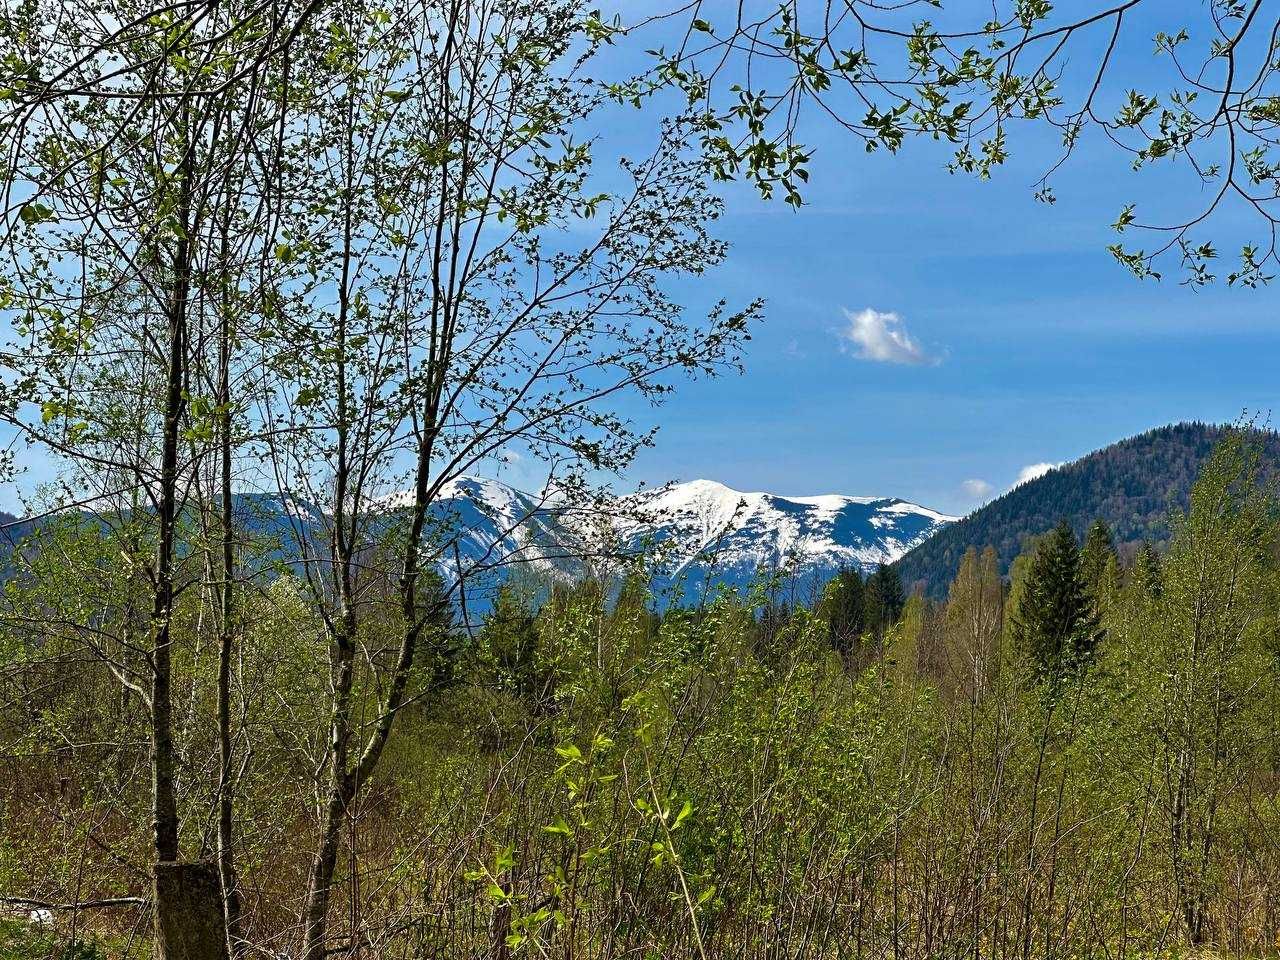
700, 536
710, 535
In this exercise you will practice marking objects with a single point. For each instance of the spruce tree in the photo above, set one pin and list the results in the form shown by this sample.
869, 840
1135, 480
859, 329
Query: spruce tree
509, 642
1056, 622
440, 644
1147, 570
843, 606
884, 599
1098, 553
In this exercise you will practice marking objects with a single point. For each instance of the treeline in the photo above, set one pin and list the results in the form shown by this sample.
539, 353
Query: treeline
1077, 761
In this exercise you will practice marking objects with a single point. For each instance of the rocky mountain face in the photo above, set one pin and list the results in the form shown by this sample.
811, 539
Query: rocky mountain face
710, 536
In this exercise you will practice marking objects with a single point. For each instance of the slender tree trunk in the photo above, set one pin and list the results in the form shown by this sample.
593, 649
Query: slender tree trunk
189, 923
344, 778
164, 806
325, 860
338, 788
226, 785
1025, 926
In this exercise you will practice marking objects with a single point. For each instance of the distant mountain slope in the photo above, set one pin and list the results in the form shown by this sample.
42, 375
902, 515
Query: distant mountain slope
704, 534
485, 528
701, 535
715, 536
1132, 485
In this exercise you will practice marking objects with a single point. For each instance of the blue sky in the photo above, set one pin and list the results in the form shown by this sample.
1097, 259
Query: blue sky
1031, 345
1036, 346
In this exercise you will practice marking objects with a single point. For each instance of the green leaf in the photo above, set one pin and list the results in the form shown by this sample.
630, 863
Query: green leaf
33, 213
569, 751
685, 812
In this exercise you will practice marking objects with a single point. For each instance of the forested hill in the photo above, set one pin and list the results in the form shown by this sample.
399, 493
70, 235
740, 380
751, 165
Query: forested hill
1132, 485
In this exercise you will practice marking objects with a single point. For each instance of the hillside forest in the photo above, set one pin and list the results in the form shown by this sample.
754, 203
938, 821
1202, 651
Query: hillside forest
1079, 761
1132, 486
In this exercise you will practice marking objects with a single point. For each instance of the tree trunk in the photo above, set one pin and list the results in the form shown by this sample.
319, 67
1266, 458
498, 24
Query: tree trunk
339, 788
325, 859
189, 921
226, 785
191, 926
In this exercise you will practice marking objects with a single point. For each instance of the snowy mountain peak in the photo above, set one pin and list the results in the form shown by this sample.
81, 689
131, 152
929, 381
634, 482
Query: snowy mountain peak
719, 503
712, 533
704, 533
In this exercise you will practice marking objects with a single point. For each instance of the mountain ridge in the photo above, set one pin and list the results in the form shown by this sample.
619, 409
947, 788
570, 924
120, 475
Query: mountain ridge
701, 535
728, 537
1132, 484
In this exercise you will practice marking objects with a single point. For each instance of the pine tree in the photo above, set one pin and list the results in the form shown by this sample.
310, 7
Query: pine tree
1056, 622
1098, 552
843, 607
884, 599
509, 641
1147, 570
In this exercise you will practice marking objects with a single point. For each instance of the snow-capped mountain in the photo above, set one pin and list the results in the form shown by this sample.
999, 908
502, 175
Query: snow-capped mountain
497, 529
482, 529
490, 521
709, 535
702, 536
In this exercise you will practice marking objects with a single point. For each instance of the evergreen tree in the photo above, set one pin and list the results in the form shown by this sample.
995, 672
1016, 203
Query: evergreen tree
1098, 552
1147, 570
1056, 622
775, 615
884, 599
440, 643
509, 643
843, 607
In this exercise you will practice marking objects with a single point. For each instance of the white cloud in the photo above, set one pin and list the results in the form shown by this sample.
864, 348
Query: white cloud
977, 489
882, 337
1034, 470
